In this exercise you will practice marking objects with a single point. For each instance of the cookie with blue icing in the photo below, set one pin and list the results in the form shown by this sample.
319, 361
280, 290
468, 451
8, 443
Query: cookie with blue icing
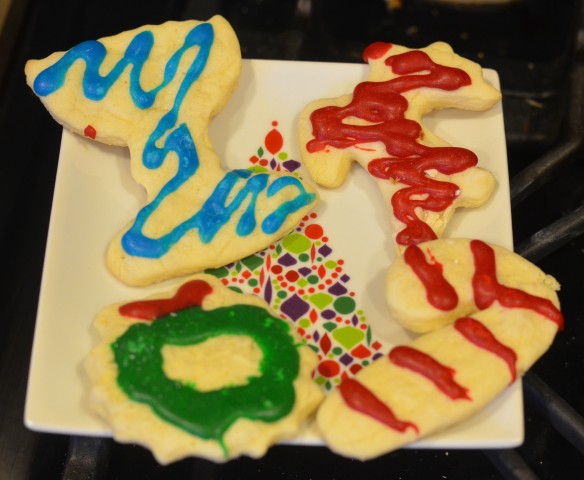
155, 89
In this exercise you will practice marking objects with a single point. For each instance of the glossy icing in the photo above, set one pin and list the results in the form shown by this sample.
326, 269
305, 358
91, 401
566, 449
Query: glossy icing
383, 107
206, 414
439, 292
190, 294
363, 400
486, 290
479, 335
441, 375
170, 136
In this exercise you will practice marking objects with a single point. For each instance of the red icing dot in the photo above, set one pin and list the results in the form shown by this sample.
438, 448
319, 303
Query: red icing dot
90, 132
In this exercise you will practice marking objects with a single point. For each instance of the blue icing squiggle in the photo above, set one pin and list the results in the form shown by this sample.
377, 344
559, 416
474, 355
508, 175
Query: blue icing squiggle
95, 86
216, 211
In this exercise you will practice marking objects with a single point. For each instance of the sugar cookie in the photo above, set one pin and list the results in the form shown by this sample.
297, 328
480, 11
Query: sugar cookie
201, 371
155, 89
421, 178
489, 314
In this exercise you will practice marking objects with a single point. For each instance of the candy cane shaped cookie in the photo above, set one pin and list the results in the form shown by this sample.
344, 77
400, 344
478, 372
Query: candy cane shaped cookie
155, 90
489, 314
421, 178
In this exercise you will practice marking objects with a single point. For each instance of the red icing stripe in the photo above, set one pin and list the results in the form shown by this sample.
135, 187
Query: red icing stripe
360, 398
422, 363
439, 292
479, 335
190, 294
487, 289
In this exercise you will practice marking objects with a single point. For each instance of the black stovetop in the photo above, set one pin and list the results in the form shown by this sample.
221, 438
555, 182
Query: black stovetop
533, 44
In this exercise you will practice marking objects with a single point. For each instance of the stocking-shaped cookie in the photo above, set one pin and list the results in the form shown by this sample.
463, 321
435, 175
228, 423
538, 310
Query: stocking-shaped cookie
422, 179
155, 89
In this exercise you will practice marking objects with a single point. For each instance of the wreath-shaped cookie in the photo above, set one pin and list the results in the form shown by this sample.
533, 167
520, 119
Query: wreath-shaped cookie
142, 383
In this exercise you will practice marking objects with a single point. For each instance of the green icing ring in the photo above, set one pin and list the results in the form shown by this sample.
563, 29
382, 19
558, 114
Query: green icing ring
268, 397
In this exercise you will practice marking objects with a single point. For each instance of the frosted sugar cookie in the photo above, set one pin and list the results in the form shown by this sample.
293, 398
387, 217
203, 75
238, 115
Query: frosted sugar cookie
201, 371
155, 89
489, 314
421, 178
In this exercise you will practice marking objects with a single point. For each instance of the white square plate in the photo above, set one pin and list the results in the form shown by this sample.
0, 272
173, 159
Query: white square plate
95, 195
